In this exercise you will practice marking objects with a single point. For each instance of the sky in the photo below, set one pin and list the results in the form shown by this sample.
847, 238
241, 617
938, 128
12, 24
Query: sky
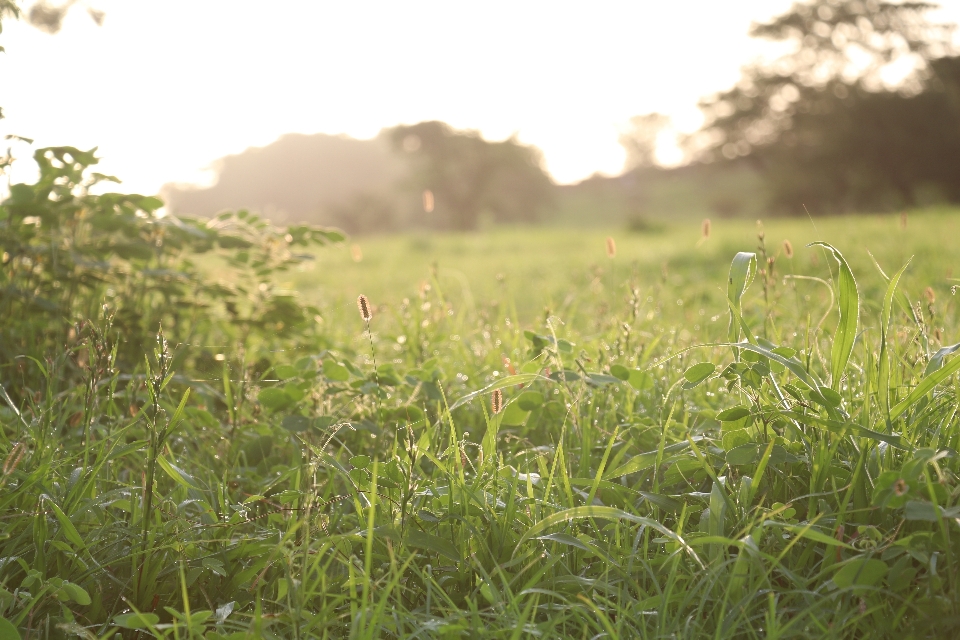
164, 88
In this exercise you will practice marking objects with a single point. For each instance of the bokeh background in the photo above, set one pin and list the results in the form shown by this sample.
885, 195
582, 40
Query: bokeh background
384, 117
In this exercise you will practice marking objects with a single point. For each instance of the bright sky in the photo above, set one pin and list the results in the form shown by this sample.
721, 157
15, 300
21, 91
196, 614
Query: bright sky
166, 87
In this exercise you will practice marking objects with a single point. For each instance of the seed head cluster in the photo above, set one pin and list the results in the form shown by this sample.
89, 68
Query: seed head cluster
787, 249
496, 402
611, 247
364, 305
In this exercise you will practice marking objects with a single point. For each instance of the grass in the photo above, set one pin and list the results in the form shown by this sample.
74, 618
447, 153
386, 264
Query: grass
645, 477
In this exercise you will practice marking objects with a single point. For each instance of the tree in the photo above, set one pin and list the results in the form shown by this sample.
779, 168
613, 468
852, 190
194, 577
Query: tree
470, 176
831, 122
640, 140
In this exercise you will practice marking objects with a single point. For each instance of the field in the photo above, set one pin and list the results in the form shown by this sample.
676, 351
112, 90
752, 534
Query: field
533, 434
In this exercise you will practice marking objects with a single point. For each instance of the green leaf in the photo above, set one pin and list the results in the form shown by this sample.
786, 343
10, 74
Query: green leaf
608, 513
274, 399
509, 381
808, 532
743, 269
743, 454
645, 460
432, 543
8, 631
924, 511
514, 415
733, 414
883, 361
296, 423
840, 427
620, 372
735, 438
640, 380
335, 371
285, 372
792, 364
567, 539
861, 572
530, 400
360, 462
69, 530
831, 397
177, 474
698, 373
849, 308
926, 385
664, 502
77, 593
136, 620
936, 360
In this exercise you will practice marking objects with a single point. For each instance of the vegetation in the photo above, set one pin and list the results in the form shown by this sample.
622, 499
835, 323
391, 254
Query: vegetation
861, 114
729, 431
675, 451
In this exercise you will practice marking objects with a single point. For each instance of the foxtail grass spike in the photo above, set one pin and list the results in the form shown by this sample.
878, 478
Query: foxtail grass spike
496, 402
364, 305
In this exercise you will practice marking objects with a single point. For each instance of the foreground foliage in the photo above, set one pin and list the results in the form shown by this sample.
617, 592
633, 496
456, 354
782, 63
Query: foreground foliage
795, 478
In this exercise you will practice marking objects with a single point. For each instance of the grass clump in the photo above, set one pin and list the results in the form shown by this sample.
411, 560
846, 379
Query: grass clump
783, 465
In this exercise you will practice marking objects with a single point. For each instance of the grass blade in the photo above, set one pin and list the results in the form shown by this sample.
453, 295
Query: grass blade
849, 308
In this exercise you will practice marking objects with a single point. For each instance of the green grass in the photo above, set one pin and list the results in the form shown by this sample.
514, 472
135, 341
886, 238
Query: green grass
645, 479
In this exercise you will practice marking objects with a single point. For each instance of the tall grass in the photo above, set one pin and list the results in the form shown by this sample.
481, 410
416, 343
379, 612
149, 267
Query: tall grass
786, 470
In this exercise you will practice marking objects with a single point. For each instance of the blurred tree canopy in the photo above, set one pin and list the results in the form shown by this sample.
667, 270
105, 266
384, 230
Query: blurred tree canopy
640, 139
377, 185
470, 176
862, 112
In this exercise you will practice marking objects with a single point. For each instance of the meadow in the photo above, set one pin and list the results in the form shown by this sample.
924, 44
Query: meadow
527, 432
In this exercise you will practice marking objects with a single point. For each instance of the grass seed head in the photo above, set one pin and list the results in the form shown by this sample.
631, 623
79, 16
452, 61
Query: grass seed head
13, 459
428, 200
787, 249
705, 228
930, 295
364, 305
611, 247
496, 402
903, 220
900, 487
356, 253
